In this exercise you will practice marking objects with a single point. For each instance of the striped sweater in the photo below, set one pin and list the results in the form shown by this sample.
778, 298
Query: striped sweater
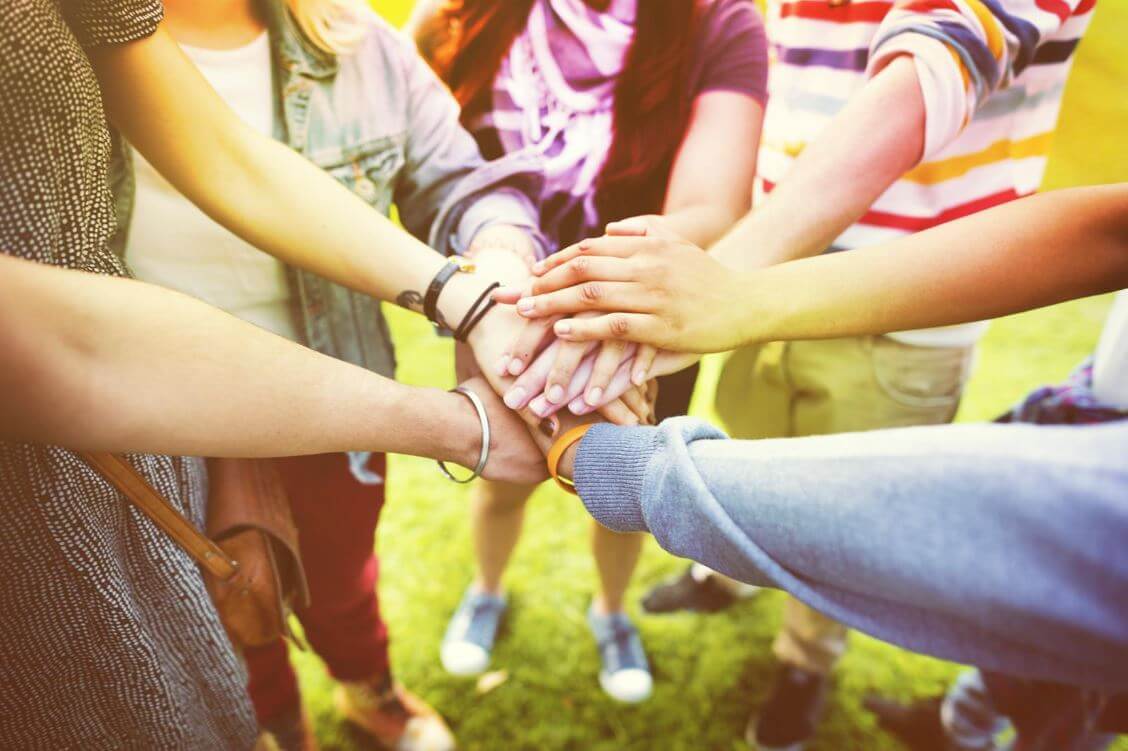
992, 73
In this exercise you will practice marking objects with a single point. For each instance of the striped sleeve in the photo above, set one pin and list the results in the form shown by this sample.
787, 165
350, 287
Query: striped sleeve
965, 50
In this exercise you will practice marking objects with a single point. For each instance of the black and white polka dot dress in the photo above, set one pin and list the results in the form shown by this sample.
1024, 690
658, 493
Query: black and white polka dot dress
107, 636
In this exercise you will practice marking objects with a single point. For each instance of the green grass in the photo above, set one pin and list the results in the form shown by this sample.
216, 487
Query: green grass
710, 670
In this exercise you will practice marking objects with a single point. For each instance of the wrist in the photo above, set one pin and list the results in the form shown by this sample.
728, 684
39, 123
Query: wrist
752, 301
566, 467
486, 328
561, 455
461, 430
506, 238
766, 237
459, 295
762, 301
446, 425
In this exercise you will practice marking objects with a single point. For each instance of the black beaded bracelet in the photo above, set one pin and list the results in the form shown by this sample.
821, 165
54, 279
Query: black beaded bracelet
477, 312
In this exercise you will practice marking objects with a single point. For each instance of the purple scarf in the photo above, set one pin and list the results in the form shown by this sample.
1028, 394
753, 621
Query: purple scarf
554, 96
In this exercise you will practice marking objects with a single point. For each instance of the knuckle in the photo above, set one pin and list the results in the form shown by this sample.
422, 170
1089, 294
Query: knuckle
619, 326
580, 266
591, 292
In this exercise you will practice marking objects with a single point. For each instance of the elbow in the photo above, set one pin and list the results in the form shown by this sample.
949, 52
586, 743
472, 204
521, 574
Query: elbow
1116, 234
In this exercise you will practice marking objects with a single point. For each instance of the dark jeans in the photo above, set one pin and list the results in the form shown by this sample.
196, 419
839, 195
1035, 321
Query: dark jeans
336, 518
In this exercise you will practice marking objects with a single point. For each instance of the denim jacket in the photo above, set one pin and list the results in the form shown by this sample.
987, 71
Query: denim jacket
380, 122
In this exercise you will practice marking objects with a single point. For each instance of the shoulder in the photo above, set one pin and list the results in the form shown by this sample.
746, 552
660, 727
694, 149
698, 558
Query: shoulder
383, 46
105, 22
732, 49
724, 19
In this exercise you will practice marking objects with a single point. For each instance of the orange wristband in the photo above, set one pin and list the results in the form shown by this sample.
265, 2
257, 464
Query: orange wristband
563, 443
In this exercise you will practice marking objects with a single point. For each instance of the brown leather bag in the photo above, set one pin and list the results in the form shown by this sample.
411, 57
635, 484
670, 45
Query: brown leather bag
252, 566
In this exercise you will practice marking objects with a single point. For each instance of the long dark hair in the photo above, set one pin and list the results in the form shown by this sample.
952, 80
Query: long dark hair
470, 38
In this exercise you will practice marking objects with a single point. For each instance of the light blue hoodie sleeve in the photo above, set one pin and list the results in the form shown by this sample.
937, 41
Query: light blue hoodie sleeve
1003, 546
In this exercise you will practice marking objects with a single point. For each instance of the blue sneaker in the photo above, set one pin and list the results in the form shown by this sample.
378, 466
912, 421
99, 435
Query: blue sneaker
471, 633
624, 672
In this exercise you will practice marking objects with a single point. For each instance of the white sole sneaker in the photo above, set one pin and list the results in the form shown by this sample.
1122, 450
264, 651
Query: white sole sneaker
630, 686
464, 659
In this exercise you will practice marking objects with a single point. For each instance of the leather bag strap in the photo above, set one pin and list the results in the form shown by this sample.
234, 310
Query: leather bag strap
141, 494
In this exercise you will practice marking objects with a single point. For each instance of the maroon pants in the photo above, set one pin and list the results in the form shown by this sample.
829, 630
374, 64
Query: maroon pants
336, 518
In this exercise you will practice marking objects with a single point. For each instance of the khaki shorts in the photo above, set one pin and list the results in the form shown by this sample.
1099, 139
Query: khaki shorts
785, 389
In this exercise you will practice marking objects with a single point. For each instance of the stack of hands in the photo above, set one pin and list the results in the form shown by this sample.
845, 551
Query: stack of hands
576, 338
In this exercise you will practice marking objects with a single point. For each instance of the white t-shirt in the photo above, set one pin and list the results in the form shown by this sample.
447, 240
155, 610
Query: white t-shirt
1110, 365
174, 244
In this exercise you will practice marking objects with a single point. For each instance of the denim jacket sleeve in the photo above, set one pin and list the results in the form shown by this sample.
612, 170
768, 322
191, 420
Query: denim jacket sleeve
996, 545
448, 192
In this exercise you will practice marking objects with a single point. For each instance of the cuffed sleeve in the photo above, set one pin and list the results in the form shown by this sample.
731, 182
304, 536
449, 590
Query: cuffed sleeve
504, 206
610, 471
965, 50
948, 101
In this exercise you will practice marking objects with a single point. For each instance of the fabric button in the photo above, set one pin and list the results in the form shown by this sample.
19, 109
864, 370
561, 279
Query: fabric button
366, 189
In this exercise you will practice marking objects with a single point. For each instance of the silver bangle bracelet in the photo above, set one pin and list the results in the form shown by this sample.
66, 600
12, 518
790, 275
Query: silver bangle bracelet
484, 419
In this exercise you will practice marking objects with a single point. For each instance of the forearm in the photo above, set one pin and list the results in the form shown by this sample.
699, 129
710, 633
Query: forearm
913, 535
713, 174
112, 364
257, 187
874, 140
1030, 253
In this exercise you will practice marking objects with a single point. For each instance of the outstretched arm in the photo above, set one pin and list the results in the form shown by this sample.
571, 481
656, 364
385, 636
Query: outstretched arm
101, 363
1029, 253
876, 138
931, 67
994, 545
259, 188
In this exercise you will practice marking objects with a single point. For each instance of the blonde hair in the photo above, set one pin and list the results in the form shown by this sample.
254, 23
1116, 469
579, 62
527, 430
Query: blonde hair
333, 26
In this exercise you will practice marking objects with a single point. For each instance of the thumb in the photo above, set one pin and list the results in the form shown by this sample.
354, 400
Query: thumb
511, 294
639, 226
635, 226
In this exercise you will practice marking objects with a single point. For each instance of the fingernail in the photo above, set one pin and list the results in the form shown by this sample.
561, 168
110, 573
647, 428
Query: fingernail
578, 406
563, 328
514, 397
638, 377
525, 305
538, 267
503, 364
516, 366
540, 406
593, 396
555, 393
548, 426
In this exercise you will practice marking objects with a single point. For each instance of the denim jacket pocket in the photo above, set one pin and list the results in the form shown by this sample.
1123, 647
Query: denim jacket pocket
369, 170
340, 322
921, 377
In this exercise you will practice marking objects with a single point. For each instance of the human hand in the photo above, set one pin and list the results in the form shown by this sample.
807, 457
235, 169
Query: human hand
556, 372
527, 391
623, 403
514, 455
620, 401
654, 289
